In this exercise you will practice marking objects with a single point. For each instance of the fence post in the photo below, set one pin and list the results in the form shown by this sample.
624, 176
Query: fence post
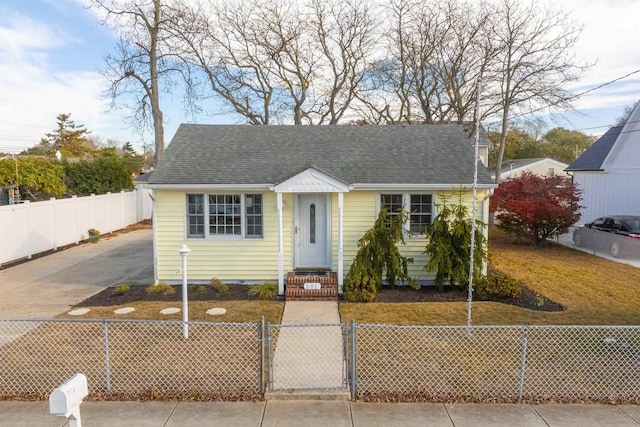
75, 219
93, 209
354, 346
109, 211
107, 370
122, 213
269, 363
28, 227
523, 361
347, 360
261, 330
52, 201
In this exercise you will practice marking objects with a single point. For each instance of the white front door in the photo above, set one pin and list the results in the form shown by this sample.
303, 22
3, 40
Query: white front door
312, 237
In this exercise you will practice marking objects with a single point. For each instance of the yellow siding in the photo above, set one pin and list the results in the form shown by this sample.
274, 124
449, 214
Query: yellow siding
415, 245
360, 212
248, 259
257, 259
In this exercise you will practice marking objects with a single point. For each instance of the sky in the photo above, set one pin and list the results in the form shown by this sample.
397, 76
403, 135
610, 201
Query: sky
51, 52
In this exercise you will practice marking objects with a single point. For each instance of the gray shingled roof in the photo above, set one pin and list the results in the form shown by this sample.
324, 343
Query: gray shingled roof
594, 156
243, 154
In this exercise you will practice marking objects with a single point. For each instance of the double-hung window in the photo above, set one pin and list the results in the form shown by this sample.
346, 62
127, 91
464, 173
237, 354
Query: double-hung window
418, 207
237, 216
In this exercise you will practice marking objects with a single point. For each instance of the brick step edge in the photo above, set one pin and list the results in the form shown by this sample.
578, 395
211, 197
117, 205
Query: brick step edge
301, 294
294, 280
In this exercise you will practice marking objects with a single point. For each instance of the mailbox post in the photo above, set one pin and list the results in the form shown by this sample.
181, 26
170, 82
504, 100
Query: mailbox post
65, 400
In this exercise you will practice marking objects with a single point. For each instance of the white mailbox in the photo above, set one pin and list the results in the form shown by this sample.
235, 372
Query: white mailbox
65, 400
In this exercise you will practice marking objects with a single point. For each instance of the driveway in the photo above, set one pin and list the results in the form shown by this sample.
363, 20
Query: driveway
567, 240
47, 286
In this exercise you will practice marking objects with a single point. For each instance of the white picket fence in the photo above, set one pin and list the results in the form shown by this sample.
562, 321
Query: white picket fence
30, 228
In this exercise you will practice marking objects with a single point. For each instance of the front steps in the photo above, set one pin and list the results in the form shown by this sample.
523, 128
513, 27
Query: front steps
318, 287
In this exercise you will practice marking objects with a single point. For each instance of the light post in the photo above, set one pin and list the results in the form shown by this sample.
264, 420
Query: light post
16, 196
184, 251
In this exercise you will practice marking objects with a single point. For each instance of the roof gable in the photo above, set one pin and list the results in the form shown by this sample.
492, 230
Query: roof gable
228, 155
593, 157
625, 153
311, 181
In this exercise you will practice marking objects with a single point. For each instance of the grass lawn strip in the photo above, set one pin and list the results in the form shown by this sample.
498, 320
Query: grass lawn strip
595, 291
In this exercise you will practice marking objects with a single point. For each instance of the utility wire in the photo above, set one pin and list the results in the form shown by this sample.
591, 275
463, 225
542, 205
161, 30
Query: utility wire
576, 96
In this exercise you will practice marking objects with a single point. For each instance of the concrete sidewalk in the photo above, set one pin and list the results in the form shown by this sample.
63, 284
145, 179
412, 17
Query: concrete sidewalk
322, 414
48, 286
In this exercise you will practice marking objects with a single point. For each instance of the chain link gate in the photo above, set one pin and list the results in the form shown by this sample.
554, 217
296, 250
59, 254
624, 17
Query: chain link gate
308, 356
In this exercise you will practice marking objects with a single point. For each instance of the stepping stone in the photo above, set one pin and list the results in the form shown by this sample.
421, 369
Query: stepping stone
170, 310
216, 311
79, 311
124, 310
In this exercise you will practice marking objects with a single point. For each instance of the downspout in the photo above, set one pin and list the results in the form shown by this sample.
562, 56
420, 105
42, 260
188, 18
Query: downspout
485, 220
340, 241
280, 246
155, 239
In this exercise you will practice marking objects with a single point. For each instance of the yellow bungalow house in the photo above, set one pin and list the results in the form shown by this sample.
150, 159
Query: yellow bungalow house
263, 203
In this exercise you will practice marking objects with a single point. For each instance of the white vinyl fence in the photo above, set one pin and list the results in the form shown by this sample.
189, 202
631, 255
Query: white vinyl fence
30, 228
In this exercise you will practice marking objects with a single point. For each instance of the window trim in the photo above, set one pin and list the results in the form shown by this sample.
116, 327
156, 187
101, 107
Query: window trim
406, 205
243, 217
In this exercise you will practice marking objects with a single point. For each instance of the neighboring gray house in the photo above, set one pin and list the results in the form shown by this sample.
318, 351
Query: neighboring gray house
608, 172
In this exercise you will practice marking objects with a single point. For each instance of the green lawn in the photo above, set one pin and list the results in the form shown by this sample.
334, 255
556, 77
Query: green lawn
594, 290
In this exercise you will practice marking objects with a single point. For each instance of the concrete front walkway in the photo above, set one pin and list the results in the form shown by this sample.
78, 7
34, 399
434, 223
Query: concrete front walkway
322, 414
309, 352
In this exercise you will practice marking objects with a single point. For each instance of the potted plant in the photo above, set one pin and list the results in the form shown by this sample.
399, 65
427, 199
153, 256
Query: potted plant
94, 235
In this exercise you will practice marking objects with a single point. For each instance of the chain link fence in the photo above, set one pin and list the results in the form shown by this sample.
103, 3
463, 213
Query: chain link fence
607, 244
132, 359
495, 363
237, 361
307, 357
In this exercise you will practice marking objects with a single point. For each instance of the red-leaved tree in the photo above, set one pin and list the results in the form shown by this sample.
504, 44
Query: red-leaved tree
536, 207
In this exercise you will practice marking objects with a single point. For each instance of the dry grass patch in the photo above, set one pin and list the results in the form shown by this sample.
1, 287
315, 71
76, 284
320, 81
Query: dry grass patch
594, 290
237, 311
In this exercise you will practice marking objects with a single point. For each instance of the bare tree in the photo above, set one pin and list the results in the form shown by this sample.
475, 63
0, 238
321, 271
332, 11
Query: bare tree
625, 114
534, 61
275, 61
346, 36
142, 60
435, 57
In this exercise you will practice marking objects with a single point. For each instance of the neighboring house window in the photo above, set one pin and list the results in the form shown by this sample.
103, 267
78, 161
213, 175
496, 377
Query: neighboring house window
230, 215
419, 209
551, 172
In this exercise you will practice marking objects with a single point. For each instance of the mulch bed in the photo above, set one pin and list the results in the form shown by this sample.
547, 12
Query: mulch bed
431, 294
110, 297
